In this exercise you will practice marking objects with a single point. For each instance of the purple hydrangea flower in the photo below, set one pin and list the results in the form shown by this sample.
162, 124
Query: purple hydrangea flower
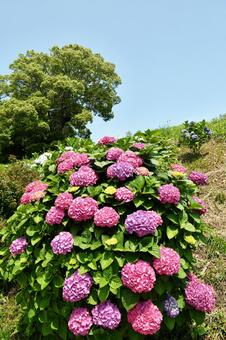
106, 315
143, 222
62, 243
120, 170
171, 307
198, 178
18, 246
77, 287
80, 321
168, 193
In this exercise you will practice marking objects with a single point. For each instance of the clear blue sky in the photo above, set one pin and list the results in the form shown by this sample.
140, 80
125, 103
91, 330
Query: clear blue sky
170, 54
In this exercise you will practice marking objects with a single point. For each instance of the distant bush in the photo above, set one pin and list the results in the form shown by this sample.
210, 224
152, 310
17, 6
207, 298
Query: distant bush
13, 179
194, 135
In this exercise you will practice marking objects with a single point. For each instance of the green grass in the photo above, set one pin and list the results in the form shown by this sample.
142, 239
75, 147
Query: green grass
9, 316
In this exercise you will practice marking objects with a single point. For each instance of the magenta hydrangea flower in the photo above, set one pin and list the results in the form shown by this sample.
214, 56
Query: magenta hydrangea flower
178, 168
65, 166
145, 318
203, 204
168, 263
143, 222
113, 154
168, 193
77, 287
123, 194
62, 243
139, 276
26, 198
54, 216
120, 170
107, 140
18, 246
63, 200
80, 321
198, 178
66, 156
82, 209
106, 217
106, 315
142, 171
139, 145
84, 177
132, 158
36, 186
199, 295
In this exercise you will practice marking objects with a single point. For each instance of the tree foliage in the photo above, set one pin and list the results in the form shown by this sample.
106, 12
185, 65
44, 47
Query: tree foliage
48, 97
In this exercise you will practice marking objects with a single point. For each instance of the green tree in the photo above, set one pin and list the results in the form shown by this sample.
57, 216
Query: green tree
48, 97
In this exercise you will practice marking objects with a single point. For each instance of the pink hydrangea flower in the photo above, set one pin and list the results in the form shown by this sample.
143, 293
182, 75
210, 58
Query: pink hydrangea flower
168, 263
18, 246
113, 154
80, 321
36, 186
123, 194
82, 209
168, 193
77, 287
139, 276
203, 204
34, 191
84, 177
67, 155
106, 315
145, 318
198, 178
26, 198
107, 140
200, 295
143, 222
139, 145
63, 200
54, 216
106, 217
120, 170
142, 171
178, 168
65, 166
62, 243
132, 158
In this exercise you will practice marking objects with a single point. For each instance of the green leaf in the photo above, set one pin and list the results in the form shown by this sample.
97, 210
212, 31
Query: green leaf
197, 316
181, 274
155, 251
35, 239
110, 190
189, 227
170, 323
137, 184
106, 260
38, 219
173, 218
103, 293
46, 329
31, 313
128, 298
115, 282
138, 202
181, 302
171, 232
58, 282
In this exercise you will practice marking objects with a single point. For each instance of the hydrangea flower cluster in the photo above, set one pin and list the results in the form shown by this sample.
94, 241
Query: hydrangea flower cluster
139, 276
178, 168
18, 246
143, 222
62, 243
203, 204
132, 158
168, 193
55, 216
70, 159
80, 321
113, 154
120, 170
139, 145
84, 177
106, 315
77, 287
106, 217
170, 306
63, 200
65, 166
123, 194
200, 295
198, 178
34, 191
142, 171
82, 209
107, 140
168, 263
145, 318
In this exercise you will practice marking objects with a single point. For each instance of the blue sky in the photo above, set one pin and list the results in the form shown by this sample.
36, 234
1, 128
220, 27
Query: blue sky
171, 55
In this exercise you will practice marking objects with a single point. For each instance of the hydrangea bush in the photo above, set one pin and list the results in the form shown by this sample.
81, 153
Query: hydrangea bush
105, 251
195, 134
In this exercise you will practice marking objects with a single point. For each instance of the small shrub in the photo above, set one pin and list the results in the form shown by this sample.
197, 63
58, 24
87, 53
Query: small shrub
104, 249
194, 135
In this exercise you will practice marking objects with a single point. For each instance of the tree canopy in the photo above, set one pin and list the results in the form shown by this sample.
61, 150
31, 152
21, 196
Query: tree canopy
50, 96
